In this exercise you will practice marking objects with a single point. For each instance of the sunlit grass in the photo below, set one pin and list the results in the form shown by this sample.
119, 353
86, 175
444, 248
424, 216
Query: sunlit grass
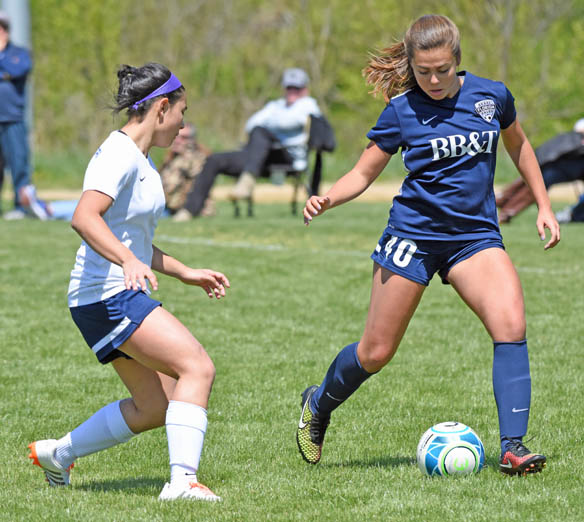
298, 296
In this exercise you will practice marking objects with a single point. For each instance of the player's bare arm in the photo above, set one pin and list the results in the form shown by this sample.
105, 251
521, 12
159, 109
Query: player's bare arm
523, 156
87, 221
369, 166
212, 282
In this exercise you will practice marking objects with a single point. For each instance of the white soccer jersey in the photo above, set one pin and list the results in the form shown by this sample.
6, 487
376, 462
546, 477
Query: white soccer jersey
120, 170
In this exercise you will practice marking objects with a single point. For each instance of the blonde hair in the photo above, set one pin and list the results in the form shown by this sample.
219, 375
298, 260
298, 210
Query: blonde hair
390, 72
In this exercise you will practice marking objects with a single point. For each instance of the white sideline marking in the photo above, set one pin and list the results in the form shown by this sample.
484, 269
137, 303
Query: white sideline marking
547, 271
224, 244
274, 247
254, 246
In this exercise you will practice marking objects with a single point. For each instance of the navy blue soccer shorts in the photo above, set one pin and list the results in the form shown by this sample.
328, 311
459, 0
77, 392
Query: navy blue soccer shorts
107, 324
419, 260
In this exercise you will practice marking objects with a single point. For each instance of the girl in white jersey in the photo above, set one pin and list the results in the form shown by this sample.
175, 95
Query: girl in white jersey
166, 370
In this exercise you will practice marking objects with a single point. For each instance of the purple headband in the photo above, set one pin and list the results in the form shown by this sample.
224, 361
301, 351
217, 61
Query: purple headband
172, 84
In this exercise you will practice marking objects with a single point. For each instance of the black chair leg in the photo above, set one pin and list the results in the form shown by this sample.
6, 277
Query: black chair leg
237, 209
294, 202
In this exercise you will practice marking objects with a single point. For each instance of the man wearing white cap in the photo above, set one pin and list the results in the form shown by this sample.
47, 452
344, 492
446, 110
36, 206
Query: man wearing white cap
277, 134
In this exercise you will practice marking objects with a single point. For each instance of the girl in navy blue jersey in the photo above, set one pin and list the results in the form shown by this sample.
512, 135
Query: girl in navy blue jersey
447, 125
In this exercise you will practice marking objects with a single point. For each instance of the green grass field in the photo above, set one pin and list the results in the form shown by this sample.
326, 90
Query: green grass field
298, 295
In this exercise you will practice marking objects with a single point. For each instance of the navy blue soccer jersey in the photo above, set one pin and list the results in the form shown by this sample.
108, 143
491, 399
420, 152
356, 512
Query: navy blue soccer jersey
449, 150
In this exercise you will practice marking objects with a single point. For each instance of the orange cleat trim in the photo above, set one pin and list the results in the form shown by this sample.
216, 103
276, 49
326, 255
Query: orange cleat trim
198, 485
34, 457
33, 454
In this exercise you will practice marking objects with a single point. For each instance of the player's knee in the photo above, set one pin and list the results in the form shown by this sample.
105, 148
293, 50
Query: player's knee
208, 370
258, 132
200, 368
514, 335
512, 329
375, 355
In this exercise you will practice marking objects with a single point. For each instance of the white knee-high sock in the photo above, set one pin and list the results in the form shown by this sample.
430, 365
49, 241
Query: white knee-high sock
104, 429
186, 425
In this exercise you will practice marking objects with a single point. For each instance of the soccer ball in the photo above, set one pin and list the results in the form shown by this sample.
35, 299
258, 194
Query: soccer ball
450, 448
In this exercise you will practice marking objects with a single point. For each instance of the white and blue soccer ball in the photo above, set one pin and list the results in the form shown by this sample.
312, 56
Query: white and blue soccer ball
450, 448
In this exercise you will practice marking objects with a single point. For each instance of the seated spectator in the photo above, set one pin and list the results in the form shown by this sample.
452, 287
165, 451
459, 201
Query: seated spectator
183, 162
561, 160
277, 134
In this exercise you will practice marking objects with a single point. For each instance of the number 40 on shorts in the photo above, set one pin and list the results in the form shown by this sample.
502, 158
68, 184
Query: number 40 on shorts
402, 254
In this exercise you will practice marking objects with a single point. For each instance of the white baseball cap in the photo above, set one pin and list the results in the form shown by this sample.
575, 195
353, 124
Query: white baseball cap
5, 20
579, 126
295, 77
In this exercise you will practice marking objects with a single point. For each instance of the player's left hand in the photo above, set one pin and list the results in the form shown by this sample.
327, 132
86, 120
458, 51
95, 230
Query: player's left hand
547, 219
212, 282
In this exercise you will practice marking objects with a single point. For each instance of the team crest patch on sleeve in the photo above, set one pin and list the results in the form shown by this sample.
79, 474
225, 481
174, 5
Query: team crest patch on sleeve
485, 109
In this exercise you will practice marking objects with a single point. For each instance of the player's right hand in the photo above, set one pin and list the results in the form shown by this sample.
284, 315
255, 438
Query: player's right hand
315, 206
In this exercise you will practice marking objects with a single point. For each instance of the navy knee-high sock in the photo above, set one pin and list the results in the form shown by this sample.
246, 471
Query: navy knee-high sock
344, 376
512, 387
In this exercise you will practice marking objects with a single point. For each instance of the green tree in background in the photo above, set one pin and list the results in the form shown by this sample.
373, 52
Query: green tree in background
230, 55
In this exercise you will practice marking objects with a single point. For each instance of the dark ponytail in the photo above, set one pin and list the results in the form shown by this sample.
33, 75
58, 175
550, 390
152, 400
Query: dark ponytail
135, 83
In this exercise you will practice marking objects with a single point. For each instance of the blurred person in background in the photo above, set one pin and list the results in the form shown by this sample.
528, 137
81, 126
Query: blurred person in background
572, 213
1, 178
15, 65
278, 133
561, 160
182, 164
